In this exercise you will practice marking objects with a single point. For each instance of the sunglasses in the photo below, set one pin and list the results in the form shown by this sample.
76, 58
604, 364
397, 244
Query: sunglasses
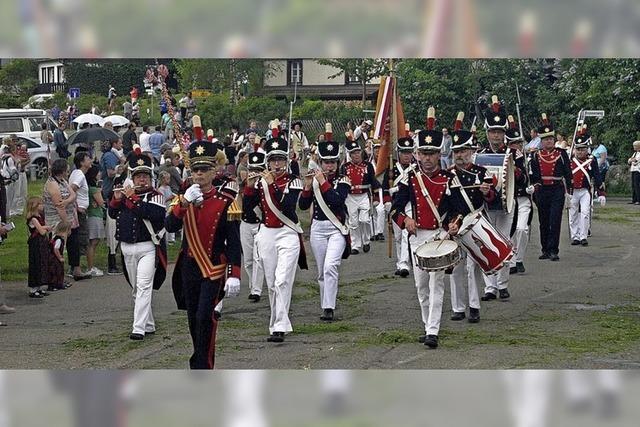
202, 169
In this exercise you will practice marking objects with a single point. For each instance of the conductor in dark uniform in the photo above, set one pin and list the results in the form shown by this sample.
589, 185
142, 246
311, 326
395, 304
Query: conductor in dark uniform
208, 265
551, 181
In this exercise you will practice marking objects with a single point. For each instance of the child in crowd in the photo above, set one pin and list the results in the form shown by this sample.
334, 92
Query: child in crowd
56, 262
163, 188
95, 219
38, 242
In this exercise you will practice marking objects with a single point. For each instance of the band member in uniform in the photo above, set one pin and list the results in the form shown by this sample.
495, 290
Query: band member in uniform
586, 181
551, 181
405, 147
279, 237
382, 208
328, 192
248, 231
363, 184
208, 266
426, 188
496, 125
522, 220
139, 212
474, 192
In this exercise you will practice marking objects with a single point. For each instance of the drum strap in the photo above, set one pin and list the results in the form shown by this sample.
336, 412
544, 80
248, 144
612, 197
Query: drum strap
277, 212
327, 211
456, 182
427, 196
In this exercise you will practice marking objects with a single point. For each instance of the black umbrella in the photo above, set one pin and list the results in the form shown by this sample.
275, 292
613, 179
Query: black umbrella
87, 136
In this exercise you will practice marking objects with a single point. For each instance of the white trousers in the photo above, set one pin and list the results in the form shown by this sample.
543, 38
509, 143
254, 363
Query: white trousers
253, 268
520, 238
430, 285
379, 219
400, 238
140, 262
327, 244
278, 250
110, 231
358, 206
17, 196
469, 273
245, 398
502, 222
580, 213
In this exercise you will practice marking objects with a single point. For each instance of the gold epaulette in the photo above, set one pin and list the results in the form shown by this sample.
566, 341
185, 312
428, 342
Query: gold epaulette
174, 202
234, 212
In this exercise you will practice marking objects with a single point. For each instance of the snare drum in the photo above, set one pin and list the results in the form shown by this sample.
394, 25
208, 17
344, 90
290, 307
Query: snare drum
487, 246
438, 255
502, 168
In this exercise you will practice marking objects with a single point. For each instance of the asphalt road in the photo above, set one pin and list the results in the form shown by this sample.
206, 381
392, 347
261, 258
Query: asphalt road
581, 312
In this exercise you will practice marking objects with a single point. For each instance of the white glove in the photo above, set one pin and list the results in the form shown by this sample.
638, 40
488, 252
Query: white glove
376, 203
193, 193
530, 189
387, 206
232, 287
602, 200
393, 190
567, 200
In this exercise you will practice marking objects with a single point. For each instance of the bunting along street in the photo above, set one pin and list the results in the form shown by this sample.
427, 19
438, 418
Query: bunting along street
581, 312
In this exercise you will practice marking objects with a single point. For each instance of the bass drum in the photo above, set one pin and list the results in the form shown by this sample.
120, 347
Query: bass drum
488, 248
502, 168
438, 255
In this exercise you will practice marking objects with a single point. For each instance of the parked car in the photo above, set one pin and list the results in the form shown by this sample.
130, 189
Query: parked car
38, 156
36, 100
24, 122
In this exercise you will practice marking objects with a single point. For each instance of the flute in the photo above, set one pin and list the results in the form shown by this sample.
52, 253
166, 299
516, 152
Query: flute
134, 188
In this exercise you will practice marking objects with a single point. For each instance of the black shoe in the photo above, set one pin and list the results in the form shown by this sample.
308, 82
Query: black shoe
254, 298
520, 267
374, 238
327, 314
354, 252
82, 277
366, 248
114, 271
513, 270
575, 242
381, 237
276, 337
136, 337
35, 294
488, 296
456, 316
44, 293
544, 256
474, 315
554, 257
431, 341
404, 273
422, 338
504, 293
584, 242
52, 288
397, 273
217, 315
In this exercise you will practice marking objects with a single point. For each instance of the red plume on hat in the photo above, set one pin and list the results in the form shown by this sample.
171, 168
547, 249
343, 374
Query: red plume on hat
210, 135
328, 132
458, 123
545, 120
431, 118
512, 122
407, 129
495, 104
198, 132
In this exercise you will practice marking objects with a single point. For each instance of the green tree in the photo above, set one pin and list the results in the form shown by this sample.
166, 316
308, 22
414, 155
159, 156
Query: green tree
19, 77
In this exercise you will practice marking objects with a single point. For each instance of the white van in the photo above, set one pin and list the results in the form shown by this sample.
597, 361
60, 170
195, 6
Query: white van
24, 122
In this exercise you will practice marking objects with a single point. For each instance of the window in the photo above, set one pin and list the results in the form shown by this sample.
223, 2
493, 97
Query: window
30, 144
294, 72
11, 126
352, 78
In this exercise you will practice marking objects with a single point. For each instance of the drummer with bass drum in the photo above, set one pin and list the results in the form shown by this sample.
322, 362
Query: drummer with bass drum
426, 188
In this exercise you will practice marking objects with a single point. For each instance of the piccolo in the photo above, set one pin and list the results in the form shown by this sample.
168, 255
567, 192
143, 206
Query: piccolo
137, 187
313, 173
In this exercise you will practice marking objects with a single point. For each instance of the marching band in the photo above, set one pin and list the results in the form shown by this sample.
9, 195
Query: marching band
469, 222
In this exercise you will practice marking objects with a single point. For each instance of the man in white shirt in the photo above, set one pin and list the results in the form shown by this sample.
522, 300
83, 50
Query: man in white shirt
361, 131
534, 144
78, 182
144, 139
